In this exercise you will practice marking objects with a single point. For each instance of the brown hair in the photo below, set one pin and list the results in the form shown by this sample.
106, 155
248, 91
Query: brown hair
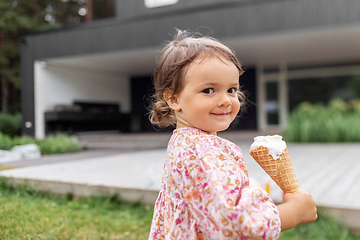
176, 56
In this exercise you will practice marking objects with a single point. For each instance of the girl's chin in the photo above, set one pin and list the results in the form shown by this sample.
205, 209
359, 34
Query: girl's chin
215, 130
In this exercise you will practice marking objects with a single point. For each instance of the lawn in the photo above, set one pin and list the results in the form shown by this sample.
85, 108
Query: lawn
325, 227
27, 214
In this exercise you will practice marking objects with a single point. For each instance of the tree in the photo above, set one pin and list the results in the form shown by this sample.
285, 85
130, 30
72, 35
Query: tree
18, 17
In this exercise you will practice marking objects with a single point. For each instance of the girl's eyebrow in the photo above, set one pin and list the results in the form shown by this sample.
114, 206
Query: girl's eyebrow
210, 83
207, 84
217, 83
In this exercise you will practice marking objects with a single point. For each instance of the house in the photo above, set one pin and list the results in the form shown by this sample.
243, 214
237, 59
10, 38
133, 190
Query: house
291, 50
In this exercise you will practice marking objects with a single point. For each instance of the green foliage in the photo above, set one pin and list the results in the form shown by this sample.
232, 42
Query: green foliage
51, 145
58, 144
29, 214
355, 84
354, 105
5, 142
326, 227
10, 124
16, 18
337, 122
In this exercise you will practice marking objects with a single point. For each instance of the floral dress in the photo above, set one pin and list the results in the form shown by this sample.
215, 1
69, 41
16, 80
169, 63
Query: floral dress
205, 193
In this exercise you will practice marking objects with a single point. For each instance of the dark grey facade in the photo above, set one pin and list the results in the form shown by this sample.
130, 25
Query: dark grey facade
261, 32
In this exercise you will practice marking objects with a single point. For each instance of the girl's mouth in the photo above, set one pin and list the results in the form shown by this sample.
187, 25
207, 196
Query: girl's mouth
221, 114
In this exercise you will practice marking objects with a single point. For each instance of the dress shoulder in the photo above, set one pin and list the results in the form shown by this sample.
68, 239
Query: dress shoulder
187, 137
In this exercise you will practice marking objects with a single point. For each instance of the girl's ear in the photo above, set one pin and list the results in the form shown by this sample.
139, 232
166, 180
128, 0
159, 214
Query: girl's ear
172, 100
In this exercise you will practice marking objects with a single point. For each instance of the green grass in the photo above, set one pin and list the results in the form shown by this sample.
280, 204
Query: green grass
326, 227
28, 214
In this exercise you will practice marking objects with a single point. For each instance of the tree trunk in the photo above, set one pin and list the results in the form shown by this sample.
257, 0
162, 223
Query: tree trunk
89, 12
4, 91
110, 8
36, 11
4, 94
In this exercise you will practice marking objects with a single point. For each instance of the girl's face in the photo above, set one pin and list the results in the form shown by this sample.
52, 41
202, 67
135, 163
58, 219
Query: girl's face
209, 98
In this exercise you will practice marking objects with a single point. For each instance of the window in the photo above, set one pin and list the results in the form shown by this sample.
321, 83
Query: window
323, 89
159, 3
272, 103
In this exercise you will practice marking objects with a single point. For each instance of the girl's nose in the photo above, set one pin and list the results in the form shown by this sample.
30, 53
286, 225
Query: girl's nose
224, 100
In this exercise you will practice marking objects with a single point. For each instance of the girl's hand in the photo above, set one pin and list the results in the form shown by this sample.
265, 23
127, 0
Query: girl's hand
304, 204
298, 208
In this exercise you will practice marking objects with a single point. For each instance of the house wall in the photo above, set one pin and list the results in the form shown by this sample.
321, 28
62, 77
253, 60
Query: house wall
56, 85
225, 20
126, 9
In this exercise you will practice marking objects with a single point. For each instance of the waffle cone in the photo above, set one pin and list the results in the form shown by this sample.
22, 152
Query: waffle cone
280, 170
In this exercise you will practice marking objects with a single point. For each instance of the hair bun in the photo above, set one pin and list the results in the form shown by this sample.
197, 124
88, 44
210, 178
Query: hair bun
161, 114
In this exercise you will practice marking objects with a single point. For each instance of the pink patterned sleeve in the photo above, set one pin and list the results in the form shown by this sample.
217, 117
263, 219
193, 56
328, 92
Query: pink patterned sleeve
216, 191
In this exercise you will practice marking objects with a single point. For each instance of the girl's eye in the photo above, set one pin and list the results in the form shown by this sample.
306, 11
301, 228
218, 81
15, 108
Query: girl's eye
208, 91
232, 90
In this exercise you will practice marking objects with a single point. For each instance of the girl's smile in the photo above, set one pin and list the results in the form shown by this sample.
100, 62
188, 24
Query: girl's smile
221, 114
208, 100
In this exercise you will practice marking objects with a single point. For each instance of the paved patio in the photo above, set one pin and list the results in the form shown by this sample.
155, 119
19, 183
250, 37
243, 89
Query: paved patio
132, 166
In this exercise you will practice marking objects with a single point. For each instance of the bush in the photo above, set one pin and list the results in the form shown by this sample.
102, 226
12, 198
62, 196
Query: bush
5, 142
337, 122
10, 124
58, 144
51, 145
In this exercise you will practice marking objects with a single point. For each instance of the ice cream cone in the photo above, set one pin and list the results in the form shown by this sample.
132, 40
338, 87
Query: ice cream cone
280, 170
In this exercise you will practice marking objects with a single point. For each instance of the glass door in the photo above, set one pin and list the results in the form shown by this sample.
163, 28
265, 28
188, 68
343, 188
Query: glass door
272, 97
272, 106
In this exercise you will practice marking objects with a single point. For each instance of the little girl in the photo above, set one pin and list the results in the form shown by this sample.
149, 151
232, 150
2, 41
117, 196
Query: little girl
205, 192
